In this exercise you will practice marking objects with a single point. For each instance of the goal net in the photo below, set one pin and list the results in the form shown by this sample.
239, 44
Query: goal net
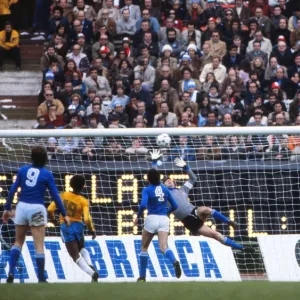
250, 175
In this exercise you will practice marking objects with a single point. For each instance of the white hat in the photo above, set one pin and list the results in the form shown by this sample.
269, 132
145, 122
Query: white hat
166, 47
192, 46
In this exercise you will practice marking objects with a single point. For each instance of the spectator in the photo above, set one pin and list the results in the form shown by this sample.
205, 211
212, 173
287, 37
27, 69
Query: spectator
218, 48
182, 150
89, 151
49, 100
163, 30
257, 120
154, 25
216, 68
43, 124
54, 119
168, 93
137, 151
60, 45
173, 42
234, 150
113, 12
264, 22
186, 121
84, 47
242, 12
265, 43
56, 20
227, 121
126, 26
96, 112
191, 34
81, 26
140, 93
89, 11
134, 10
283, 53
115, 122
170, 117
9, 45
81, 60
186, 101
146, 74
103, 42
99, 83
225, 108
256, 52
210, 149
186, 79
49, 56
232, 59
109, 22
278, 110
147, 116
120, 98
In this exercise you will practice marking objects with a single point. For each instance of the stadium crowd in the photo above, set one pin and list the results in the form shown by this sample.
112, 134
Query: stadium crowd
171, 63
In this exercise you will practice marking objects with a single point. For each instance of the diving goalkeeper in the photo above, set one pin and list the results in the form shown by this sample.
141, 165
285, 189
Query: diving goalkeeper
192, 217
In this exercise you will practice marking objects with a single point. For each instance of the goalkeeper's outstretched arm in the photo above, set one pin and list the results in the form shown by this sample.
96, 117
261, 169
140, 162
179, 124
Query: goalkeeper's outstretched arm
179, 162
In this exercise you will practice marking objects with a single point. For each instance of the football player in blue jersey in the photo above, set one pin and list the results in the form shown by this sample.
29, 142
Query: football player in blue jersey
155, 198
31, 212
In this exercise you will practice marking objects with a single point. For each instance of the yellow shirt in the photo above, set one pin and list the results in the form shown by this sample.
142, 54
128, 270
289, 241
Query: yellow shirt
75, 206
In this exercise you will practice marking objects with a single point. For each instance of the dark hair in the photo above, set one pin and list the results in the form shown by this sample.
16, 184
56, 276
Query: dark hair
186, 69
128, 64
39, 156
257, 113
153, 177
77, 183
232, 47
8, 23
55, 8
170, 30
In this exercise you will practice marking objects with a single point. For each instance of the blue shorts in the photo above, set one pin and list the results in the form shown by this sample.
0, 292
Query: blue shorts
74, 232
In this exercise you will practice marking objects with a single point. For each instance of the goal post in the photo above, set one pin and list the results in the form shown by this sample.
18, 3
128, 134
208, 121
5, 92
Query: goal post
250, 174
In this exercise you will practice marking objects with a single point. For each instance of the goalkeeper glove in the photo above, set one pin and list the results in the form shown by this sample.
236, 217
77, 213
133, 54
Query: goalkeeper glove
155, 155
179, 162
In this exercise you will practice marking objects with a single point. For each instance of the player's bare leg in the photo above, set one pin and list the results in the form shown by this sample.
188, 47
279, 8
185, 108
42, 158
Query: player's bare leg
21, 231
146, 240
73, 250
38, 235
203, 212
163, 245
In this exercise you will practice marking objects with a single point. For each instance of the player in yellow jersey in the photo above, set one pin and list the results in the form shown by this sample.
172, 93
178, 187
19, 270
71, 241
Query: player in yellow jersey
73, 236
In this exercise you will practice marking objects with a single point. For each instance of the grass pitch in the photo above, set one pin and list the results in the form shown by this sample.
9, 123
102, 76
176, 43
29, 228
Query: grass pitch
252, 290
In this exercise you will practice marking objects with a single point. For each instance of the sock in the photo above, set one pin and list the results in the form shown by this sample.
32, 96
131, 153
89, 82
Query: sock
217, 215
231, 243
13, 259
170, 255
84, 266
86, 255
143, 263
40, 262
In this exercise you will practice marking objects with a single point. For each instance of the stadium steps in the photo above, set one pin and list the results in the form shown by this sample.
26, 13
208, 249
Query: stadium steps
30, 57
24, 83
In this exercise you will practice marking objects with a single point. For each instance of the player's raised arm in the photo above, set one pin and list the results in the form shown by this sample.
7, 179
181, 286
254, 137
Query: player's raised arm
179, 162
155, 156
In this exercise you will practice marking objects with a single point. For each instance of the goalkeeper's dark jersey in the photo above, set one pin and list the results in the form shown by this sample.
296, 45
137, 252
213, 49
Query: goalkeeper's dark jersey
7, 234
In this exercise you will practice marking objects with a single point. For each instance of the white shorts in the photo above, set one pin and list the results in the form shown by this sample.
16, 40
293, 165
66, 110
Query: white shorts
31, 214
156, 223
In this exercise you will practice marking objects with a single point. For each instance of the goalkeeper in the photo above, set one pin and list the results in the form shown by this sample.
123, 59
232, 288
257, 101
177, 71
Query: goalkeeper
193, 218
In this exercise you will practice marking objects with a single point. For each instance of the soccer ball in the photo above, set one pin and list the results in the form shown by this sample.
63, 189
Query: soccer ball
163, 140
